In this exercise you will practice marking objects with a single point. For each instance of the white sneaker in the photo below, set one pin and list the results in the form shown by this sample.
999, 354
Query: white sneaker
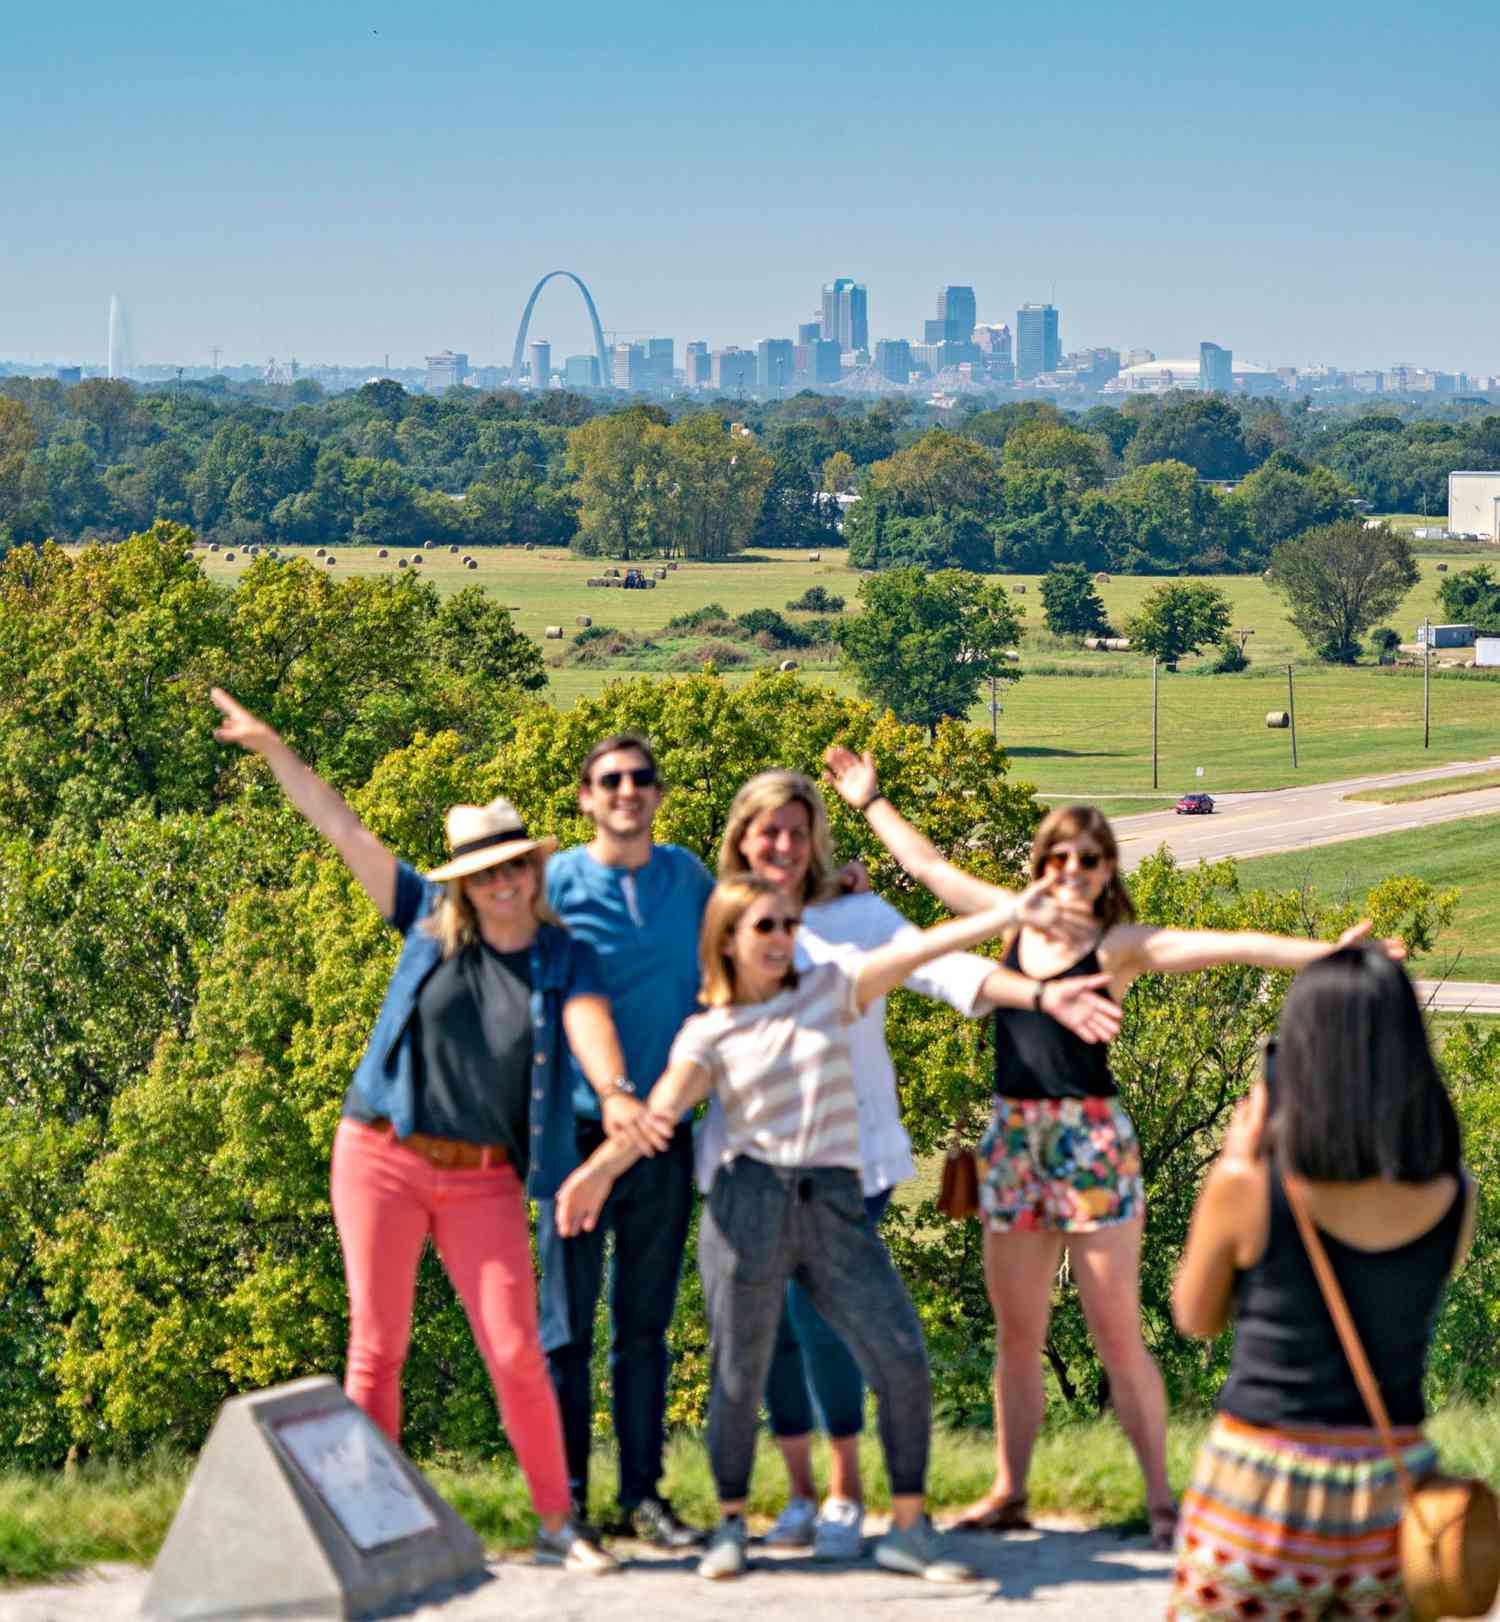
839, 1534
793, 1527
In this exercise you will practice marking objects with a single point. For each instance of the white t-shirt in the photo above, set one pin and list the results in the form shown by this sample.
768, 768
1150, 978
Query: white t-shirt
839, 929
781, 1070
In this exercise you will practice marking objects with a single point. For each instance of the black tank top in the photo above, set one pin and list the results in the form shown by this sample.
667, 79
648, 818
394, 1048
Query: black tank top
1035, 1057
1288, 1367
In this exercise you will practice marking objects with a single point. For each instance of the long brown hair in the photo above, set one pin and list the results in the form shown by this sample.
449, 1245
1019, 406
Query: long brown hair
1114, 905
770, 791
453, 922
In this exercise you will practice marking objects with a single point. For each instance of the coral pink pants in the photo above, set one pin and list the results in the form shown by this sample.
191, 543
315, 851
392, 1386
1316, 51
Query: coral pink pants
387, 1201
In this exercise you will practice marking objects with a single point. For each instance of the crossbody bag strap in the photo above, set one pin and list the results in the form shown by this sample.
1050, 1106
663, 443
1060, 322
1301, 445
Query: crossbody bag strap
1343, 1323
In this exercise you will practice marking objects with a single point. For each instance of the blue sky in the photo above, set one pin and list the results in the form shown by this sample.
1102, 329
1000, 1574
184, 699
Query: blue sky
336, 181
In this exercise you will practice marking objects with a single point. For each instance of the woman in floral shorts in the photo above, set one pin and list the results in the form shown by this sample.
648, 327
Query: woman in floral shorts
1060, 1165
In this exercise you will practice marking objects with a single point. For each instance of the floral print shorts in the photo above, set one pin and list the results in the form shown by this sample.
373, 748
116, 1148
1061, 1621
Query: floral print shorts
1059, 1165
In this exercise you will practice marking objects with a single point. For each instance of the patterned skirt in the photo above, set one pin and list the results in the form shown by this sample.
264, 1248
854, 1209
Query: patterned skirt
1292, 1525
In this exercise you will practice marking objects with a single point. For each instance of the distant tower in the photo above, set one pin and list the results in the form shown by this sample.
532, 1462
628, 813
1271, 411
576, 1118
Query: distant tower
957, 312
846, 314
1038, 348
120, 358
1215, 369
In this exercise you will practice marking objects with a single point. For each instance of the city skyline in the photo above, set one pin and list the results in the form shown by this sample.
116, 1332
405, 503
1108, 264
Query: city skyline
283, 182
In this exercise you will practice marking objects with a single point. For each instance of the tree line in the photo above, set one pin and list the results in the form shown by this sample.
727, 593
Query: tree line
1016, 487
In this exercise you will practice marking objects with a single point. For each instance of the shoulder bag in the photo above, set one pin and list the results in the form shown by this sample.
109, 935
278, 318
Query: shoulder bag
1450, 1528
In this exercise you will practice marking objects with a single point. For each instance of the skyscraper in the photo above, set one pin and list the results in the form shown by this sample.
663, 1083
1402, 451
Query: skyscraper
695, 364
816, 364
893, 360
810, 331
732, 370
659, 362
448, 370
958, 312
628, 363
1215, 369
846, 314
1038, 347
773, 366
581, 372
540, 355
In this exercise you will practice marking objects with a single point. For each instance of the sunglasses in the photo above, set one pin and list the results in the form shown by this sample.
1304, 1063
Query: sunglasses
641, 776
1056, 861
769, 926
488, 875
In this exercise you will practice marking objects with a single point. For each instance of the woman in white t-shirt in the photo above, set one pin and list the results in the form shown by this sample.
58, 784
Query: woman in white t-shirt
773, 1046
778, 829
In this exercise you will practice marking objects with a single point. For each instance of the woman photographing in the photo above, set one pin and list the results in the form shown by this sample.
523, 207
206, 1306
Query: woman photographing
1060, 1165
1293, 1493
459, 1108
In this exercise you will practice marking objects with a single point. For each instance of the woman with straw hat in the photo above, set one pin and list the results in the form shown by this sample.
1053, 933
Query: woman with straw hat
459, 1109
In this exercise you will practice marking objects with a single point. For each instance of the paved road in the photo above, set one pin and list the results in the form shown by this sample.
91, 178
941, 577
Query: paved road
1460, 996
1051, 1574
1256, 824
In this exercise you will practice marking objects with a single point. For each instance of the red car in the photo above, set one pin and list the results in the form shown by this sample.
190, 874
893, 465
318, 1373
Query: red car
1195, 805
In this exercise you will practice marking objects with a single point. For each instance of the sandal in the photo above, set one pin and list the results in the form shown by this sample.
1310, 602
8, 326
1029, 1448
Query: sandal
1006, 1515
1163, 1521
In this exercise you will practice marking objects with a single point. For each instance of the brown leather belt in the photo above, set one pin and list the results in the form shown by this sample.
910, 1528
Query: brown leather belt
447, 1154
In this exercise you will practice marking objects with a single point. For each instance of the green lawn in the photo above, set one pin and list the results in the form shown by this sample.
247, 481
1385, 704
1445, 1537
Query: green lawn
1460, 855
1438, 789
1082, 728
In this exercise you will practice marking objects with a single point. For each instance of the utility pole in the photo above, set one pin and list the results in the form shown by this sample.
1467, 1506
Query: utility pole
994, 713
1153, 721
1291, 713
1426, 683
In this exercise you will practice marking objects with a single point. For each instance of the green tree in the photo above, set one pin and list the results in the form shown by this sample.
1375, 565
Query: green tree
712, 486
839, 473
1064, 450
1340, 579
1204, 432
616, 462
940, 472
1178, 618
1472, 597
23, 485
1284, 497
943, 540
1167, 521
1071, 604
923, 644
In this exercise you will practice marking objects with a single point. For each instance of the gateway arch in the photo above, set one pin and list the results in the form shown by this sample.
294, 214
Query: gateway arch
518, 358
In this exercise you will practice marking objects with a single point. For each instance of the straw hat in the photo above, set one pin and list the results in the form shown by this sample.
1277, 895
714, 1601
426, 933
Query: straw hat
480, 836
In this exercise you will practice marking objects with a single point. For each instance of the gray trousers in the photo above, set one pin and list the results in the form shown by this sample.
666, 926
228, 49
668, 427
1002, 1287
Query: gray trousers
763, 1225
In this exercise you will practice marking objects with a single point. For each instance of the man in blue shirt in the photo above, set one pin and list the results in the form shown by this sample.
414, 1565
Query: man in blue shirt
640, 906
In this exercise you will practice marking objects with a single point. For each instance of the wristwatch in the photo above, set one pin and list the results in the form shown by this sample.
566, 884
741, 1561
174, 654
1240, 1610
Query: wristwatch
621, 1084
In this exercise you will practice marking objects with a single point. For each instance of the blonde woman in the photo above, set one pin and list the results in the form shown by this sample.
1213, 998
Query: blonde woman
786, 1200
1060, 1163
445, 1131
778, 830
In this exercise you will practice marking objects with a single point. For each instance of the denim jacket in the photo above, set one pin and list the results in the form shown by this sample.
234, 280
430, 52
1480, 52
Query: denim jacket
561, 968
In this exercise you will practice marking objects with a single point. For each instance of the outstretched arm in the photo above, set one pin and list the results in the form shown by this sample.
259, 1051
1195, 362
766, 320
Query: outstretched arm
369, 861
888, 966
1080, 1003
1144, 949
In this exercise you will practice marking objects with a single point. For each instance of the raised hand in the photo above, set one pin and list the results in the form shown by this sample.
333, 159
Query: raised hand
1246, 1131
852, 775
240, 726
1080, 1004
1053, 910
1393, 946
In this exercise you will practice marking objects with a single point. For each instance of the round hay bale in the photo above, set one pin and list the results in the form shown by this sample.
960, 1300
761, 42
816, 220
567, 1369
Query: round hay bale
472, 564
650, 585
1278, 719
658, 574
418, 558
427, 546
453, 550
329, 560
1116, 644
584, 619
787, 664
1101, 579
400, 563
229, 557
1442, 568
213, 546
322, 552
815, 557
384, 552
1020, 591
529, 547
553, 633
672, 565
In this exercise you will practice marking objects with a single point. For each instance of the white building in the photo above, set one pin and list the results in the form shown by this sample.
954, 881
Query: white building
1162, 376
1474, 504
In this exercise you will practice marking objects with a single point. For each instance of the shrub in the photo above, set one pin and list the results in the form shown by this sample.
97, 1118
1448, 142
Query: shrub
592, 633
1385, 641
816, 600
696, 618
1232, 657
766, 622
722, 654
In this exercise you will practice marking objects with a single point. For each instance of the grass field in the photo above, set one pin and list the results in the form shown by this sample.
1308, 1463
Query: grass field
1439, 789
1084, 726
1460, 855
